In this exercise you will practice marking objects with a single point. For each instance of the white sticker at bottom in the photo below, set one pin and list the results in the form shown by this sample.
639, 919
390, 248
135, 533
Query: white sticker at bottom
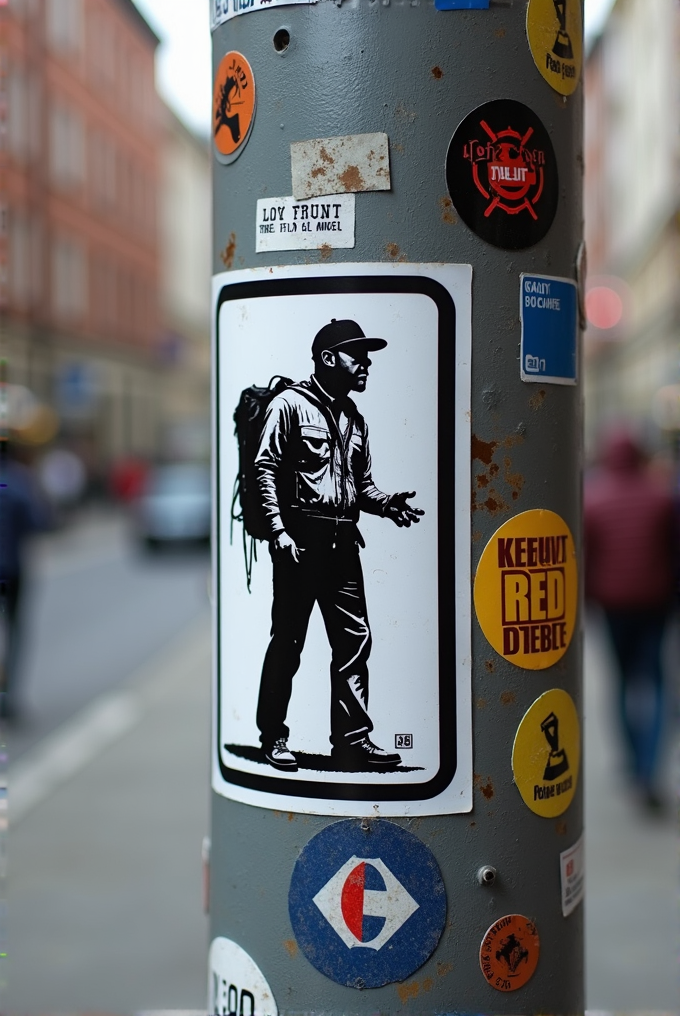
572, 877
235, 982
287, 224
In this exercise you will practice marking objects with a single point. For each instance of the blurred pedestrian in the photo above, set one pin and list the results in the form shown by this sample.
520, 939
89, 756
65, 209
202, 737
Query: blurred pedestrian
128, 477
22, 512
63, 478
631, 569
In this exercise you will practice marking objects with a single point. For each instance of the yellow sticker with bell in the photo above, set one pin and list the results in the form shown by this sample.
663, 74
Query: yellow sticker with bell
555, 33
547, 753
526, 589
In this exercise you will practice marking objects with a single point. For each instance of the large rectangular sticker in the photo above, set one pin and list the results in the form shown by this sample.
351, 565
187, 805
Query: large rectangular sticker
341, 538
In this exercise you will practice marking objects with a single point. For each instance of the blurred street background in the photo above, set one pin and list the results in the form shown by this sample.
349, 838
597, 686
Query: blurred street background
105, 296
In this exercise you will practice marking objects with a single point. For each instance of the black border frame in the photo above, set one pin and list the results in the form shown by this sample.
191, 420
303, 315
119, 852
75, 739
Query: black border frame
446, 378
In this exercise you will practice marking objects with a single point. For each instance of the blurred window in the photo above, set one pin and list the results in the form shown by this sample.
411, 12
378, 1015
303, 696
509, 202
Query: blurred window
65, 25
25, 260
24, 8
69, 278
18, 116
103, 163
23, 114
20, 259
67, 147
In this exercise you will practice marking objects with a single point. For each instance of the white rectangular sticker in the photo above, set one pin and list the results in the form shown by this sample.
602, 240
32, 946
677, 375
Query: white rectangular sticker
572, 877
344, 165
224, 10
287, 224
361, 580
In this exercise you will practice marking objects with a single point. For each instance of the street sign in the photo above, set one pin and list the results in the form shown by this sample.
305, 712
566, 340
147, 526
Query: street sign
367, 903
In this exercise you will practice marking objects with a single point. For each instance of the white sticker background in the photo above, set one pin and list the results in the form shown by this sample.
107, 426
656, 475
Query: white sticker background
287, 224
235, 982
263, 337
225, 10
572, 875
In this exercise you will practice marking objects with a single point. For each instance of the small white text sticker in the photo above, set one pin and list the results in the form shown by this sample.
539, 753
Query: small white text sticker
572, 877
225, 10
287, 224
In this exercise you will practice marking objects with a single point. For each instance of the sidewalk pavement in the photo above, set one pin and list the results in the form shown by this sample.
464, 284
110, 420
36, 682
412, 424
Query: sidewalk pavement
106, 817
106, 822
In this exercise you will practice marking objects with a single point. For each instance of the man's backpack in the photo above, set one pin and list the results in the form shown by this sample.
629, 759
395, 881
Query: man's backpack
246, 502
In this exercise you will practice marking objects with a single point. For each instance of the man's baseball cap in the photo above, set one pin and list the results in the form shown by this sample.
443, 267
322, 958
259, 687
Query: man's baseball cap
344, 335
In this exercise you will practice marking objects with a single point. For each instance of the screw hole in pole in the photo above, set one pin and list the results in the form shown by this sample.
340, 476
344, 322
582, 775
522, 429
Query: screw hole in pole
281, 40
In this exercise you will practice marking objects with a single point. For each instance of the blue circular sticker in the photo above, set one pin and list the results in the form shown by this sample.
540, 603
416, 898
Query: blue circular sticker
367, 902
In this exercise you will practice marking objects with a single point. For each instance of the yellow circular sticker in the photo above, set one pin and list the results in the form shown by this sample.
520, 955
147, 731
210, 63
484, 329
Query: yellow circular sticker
547, 753
555, 32
526, 589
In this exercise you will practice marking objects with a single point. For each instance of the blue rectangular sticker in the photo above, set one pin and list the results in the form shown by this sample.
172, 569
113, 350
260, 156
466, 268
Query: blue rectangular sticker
549, 315
462, 5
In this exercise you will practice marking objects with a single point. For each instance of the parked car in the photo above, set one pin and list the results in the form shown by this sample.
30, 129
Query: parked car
174, 506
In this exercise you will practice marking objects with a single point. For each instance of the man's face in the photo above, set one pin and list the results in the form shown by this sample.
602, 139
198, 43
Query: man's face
354, 367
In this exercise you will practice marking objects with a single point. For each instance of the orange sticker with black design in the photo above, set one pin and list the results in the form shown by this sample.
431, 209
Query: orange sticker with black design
509, 952
526, 589
233, 106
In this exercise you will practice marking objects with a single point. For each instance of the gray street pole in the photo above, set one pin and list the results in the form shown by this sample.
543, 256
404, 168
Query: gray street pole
397, 190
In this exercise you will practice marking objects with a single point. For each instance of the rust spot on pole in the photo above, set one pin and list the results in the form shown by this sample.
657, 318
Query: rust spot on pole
483, 450
229, 251
448, 214
537, 400
407, 991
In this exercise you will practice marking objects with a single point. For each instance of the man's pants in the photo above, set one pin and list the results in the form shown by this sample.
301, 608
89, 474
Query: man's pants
637, 639
328, 573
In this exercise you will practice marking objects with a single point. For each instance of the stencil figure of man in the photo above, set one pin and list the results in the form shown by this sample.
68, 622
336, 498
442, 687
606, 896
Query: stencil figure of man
313, 470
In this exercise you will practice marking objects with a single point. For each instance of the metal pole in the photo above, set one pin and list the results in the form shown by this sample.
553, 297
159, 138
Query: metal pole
450, 884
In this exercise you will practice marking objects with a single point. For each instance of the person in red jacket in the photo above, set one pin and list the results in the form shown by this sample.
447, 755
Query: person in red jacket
631, 569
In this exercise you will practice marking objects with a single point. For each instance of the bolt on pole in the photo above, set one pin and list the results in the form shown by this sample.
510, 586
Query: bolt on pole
397, 305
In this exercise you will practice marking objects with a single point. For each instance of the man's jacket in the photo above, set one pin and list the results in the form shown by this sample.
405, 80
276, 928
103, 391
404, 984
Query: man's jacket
307, 468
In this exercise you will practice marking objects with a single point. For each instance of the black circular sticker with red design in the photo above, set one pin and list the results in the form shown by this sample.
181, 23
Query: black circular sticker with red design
501, 172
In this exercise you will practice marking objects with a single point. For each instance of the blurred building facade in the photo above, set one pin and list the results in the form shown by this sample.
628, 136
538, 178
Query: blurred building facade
185, 210
632, 207
89, 188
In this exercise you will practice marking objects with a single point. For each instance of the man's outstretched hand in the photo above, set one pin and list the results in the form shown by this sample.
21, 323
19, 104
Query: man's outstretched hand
401, 513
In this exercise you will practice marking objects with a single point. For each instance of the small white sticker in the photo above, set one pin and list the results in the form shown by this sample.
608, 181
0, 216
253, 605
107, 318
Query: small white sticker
235, 982
225, 10
572, 877
287, 224
345, 165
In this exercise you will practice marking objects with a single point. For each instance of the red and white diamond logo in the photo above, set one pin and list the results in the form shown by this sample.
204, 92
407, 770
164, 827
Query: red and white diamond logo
364, 903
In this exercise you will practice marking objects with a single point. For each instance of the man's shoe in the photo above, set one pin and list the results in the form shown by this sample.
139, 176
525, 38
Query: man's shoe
280, 757
363, 755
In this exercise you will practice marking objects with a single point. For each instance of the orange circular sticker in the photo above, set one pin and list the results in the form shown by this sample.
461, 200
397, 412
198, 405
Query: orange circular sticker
526, 589
509, 952
233, 106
